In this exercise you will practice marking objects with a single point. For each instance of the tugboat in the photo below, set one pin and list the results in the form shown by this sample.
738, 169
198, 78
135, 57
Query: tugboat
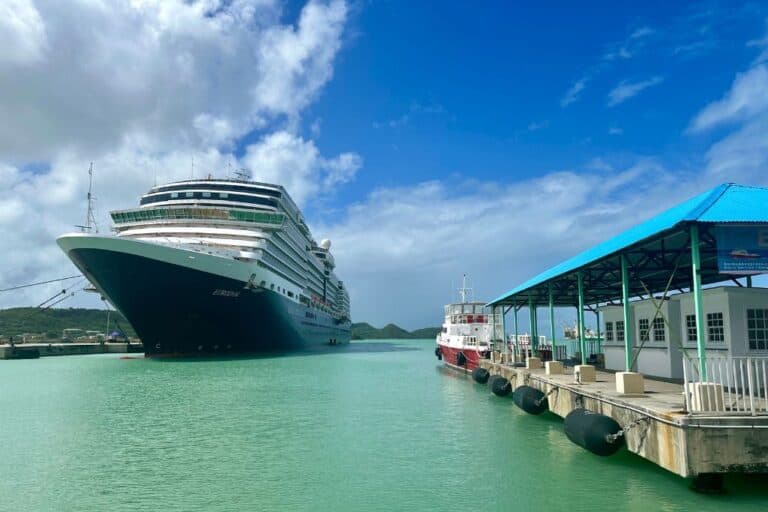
467, 333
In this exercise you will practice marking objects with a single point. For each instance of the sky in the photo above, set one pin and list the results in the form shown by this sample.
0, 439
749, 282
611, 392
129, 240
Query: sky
425, 140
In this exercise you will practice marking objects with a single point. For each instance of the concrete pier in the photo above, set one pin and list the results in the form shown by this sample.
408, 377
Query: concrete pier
71, 349
657, 426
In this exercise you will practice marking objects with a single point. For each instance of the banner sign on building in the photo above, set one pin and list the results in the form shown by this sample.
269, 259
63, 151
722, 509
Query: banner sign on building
742, 249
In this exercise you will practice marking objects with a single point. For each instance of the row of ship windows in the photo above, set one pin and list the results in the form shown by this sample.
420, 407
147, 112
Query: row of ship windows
284, 291
208, 195
213, 186
145, 214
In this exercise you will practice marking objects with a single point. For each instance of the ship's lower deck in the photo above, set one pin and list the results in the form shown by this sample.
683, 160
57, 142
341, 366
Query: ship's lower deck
180, 310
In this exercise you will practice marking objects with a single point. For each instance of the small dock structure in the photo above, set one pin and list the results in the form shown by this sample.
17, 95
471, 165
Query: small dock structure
710, 416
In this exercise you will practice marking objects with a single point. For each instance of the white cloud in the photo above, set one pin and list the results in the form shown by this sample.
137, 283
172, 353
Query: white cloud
284, 158
614, 130
572, 94
398, 249
742, 154
538, 125
746, 98
173, 71
23, 31
630, 46
626, 90
641, 32
149, 86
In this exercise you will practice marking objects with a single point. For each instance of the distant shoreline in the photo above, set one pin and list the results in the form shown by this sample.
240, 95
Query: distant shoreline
365, 331
37, 325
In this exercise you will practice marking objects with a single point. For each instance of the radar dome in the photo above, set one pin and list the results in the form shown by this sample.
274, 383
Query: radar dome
325, 244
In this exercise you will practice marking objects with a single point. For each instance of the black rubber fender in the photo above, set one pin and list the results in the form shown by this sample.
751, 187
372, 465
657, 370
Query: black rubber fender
480, 375
438, 353
499, 386
531, 400
591, 431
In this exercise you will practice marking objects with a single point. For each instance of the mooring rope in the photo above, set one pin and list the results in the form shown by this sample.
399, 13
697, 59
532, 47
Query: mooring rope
38, 283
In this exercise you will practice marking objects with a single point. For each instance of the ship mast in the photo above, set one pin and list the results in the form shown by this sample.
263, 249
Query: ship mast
464, 290
90, 218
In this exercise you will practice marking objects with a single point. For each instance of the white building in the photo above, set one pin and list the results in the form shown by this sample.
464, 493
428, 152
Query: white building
736, 325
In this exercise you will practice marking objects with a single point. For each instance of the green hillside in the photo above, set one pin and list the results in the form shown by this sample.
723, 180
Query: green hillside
365, 331
51, 322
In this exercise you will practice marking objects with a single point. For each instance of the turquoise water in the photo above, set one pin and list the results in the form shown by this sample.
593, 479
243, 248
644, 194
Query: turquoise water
372, 426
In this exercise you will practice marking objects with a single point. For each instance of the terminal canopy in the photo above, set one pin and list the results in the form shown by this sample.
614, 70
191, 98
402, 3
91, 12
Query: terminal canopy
658, 252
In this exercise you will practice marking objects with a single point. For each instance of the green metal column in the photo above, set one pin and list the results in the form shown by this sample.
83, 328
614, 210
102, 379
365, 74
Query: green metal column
582, 341
493, 336
749, 281
552, 318
517, 342
599, 342
698, 306
627, 326
534, 326
504, 331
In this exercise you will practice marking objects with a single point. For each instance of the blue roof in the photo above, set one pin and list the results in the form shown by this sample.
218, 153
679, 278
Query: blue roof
722, 204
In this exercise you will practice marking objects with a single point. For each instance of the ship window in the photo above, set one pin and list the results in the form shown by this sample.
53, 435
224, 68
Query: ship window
190, 194
206, 194
223, 195
174, 195
272, 286
290, 294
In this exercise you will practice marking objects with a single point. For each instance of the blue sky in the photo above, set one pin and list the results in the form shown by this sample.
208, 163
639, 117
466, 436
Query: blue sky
424, 93
425, 140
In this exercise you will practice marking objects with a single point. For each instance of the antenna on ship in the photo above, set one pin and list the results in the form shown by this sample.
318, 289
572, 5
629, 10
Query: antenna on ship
463, 290
90, 219
243, 174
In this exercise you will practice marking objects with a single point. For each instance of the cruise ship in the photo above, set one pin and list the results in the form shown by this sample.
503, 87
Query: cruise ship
216, 266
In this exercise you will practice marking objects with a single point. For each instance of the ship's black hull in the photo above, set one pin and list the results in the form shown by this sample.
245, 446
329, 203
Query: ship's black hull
177, 310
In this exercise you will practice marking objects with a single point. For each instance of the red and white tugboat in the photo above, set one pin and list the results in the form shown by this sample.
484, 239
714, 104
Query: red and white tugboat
467, 333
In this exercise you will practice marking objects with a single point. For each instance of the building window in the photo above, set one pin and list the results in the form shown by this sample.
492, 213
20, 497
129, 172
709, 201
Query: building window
643, 327
715, 329
757, 329
690, 327
608, 331
619, 330
658, 329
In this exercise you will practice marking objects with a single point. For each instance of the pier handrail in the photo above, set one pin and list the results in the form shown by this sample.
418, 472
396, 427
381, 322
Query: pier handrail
735, 386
